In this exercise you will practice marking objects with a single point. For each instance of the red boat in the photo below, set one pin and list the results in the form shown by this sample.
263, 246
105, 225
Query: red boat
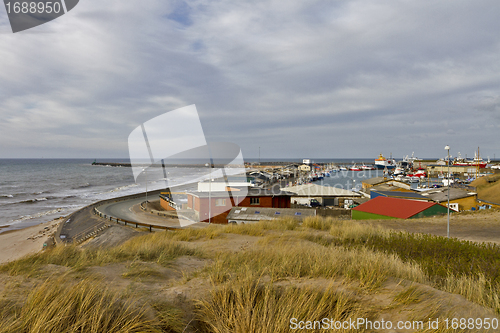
420, 173
355, 168
477, 161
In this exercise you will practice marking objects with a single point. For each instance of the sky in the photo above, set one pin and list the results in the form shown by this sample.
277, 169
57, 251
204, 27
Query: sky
299, 79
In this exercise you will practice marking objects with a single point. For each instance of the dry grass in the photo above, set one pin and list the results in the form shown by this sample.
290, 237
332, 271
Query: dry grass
250, 306
295, 258
157, 247
56, 306
410, 295
476, 289
339, 250
140, 270
488, 188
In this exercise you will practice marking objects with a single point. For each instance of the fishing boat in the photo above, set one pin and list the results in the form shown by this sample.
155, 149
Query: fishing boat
381, 162
398, 171
355, 168
447, 181
477, 161
367, 167
420, 172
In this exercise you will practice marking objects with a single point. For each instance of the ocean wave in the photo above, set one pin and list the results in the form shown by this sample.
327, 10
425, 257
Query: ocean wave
6, 196
33, 200
121, 188
82, 186
28, 201
34, 216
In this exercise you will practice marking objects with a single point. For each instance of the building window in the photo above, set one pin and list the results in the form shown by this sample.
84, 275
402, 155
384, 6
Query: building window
254, 201
220, 202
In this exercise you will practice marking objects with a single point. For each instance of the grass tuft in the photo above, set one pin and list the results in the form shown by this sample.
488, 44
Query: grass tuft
56, 306
410, 295
249, 306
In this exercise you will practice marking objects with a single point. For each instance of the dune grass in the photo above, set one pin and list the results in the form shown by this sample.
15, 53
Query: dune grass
409, 295
463, 267
57, 306
295, 258
157, 247
338, 250
250, 306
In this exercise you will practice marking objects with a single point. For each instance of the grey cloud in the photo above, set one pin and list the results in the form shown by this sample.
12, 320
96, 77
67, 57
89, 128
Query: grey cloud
320, 78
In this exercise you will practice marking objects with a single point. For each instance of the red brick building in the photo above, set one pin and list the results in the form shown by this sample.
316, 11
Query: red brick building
222, 203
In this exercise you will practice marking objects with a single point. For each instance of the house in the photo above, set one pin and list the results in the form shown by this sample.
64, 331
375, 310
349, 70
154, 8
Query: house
221, 185
393, 208
218, 204
255, 214
326, 195
304, 168
460, 198
368, 184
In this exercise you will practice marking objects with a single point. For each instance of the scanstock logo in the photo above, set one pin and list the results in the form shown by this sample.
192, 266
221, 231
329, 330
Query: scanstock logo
26, 14
174, 144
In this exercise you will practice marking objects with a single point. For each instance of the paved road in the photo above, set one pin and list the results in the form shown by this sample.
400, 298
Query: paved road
130, 210
122, 210
84, 221
80, 222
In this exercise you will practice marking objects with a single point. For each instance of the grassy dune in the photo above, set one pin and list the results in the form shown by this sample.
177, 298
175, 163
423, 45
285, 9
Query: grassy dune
488, 188
258, 276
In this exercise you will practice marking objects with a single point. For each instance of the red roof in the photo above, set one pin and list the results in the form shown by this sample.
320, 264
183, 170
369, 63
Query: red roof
394, 207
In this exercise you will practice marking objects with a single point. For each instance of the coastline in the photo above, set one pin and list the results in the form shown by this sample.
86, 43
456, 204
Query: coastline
15, 244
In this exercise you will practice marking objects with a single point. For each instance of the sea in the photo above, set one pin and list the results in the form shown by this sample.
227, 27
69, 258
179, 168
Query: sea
33, 191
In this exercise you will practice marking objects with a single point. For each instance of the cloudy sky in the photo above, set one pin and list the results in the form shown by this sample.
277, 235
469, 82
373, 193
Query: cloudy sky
320, 79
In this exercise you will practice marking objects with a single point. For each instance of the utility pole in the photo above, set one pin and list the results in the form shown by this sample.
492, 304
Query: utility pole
448, 226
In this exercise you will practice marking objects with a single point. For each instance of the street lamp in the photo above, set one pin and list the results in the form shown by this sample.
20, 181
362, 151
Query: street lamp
448, 228
210, 191
146, 173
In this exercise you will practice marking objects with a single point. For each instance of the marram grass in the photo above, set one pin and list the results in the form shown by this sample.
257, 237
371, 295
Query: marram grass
250, 306
56, 306
317, 248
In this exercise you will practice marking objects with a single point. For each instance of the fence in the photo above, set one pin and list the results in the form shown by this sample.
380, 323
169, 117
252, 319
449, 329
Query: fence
131, 223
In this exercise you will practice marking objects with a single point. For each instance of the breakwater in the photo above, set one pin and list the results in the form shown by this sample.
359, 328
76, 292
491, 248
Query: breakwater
177, 165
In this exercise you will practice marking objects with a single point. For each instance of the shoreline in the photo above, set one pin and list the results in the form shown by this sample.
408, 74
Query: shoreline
15, 244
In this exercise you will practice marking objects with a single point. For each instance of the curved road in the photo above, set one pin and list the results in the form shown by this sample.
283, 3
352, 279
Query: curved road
122, 209
130, 210
84, 221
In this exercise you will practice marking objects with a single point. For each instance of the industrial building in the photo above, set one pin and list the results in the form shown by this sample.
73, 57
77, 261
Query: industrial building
460, 198
383, 183
218, 204
326, 195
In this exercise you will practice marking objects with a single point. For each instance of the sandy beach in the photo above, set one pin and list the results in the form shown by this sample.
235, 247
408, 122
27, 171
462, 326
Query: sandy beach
16, 244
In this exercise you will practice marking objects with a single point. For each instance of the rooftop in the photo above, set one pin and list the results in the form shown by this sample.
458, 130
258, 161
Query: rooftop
243, 191
318, 190
441, 194
375, 180
258, 213
400, 208
403, 194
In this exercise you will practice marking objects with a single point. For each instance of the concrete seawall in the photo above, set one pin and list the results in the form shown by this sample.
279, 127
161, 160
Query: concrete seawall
83, 222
